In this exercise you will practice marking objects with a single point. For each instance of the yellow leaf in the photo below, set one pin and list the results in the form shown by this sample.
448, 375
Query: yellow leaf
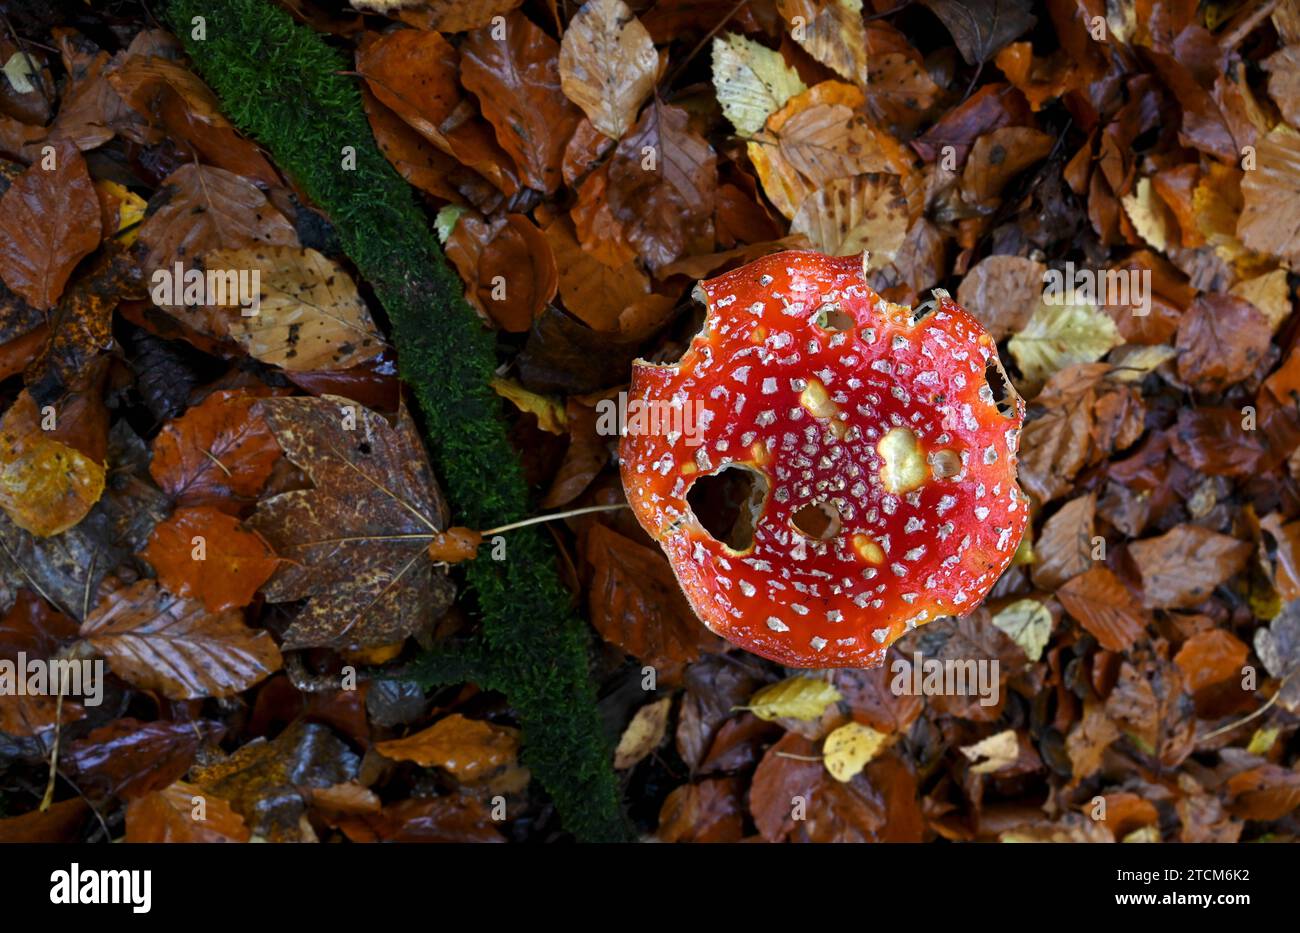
998, 751
1061, 335
847, 750
643, 734
130, 209
1149, 216
1268, 293
549, 411
852, 215
802, 698
1262, 740
832, 32
310, 315
752, 81
1028, 623
46, 486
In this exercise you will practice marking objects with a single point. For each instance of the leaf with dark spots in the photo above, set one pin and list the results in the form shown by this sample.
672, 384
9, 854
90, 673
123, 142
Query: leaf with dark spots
356, 545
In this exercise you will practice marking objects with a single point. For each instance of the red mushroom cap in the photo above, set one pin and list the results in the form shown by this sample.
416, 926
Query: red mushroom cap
842, 405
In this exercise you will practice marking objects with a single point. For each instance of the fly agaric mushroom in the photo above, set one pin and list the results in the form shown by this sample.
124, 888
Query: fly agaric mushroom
881, 462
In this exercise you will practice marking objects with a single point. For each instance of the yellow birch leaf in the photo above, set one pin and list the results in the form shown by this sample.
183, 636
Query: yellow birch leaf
549, 411
803, 698
752, 81
849, 748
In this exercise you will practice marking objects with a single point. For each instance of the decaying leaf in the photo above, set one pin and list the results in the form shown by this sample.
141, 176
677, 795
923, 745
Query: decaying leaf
607, 65
355, 545
308, 315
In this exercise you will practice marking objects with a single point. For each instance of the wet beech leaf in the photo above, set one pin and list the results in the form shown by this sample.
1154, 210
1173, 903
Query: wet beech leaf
470, 749
219, 450
158, 641
46, 486
517, 81
49, 221
205, 554
168, 815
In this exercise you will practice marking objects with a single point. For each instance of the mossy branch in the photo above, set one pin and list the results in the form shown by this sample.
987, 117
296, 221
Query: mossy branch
283, 84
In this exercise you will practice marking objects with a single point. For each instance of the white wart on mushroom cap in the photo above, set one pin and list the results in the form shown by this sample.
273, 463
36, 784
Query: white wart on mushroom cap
883, 459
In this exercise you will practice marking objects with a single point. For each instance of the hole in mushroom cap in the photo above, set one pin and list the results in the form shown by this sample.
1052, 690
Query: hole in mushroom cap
831, 317
1004, 394
817, 520
728, 503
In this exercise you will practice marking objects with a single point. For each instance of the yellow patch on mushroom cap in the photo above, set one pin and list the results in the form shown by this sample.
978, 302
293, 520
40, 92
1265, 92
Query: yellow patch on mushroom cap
868, 549
818, 404
905, 467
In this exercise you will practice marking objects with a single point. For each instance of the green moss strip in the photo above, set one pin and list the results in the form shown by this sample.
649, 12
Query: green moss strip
282, 84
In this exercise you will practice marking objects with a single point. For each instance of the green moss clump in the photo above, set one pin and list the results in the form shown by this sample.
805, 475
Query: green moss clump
283, 85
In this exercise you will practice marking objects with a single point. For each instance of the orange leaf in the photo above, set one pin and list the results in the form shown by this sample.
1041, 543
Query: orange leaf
217, 451
468, 748
1105, 607
169, 815
207, 555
